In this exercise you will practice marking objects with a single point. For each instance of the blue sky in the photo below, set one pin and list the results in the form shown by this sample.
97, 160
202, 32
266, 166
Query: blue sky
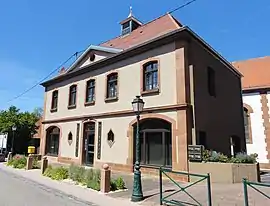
37, 36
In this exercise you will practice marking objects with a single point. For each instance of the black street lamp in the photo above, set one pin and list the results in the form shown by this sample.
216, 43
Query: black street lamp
13, 131
137, 194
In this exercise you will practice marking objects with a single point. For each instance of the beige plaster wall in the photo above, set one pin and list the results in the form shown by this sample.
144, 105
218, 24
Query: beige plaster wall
118, 153
66, 150
129, 86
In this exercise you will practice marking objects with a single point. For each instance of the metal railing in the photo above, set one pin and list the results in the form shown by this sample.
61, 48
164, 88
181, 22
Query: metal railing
168, 201
247, 183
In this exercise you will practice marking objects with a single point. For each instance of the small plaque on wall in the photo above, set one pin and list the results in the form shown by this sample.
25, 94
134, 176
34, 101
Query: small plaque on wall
99, 140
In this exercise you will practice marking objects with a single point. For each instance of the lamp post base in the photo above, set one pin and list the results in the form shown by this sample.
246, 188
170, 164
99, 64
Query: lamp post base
137, 194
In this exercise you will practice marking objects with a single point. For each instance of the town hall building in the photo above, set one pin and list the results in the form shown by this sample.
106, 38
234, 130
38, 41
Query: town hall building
192, 96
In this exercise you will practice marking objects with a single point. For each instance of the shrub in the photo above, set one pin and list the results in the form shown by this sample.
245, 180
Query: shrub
120, 183
113, 185
218, 157
10, 162
77, 173
48, 171
36, 163
94, 185
92, 179
18, 161
57, 173
88, 176
244, 158
206, 155
212, 156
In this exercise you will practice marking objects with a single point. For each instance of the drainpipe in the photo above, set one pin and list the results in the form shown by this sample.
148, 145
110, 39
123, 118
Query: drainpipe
192, 103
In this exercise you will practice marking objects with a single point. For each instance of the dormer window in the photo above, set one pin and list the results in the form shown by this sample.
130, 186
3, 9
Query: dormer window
126, 28
130, 24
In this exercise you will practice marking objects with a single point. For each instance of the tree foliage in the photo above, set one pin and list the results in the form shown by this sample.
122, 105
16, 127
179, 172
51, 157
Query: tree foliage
22, 120
25, 123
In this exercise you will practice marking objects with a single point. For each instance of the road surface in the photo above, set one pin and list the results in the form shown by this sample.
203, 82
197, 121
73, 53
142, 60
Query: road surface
17, 191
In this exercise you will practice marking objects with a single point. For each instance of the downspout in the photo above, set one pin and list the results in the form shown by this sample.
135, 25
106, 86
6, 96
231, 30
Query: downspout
192, 103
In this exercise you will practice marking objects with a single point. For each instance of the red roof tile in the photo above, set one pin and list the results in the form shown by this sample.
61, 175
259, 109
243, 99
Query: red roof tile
256, 72
150, 30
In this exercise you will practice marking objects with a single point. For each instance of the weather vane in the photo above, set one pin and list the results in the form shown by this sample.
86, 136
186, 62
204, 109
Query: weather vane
130, 11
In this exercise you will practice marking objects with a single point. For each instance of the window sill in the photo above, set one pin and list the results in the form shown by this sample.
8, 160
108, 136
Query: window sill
72, 106
89, 103
53, 110
111, 99
150, 92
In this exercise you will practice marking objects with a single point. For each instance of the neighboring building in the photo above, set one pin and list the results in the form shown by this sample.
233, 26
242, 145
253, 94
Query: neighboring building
256, 96
192, 96
36, 138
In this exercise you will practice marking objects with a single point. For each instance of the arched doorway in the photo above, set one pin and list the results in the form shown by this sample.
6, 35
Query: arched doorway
52, 141
156, 142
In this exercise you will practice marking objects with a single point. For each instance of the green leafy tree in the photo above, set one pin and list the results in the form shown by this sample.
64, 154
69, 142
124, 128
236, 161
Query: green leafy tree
25, 123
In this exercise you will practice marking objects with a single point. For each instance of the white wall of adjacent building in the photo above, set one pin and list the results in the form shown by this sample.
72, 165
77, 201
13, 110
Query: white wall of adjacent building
258, 144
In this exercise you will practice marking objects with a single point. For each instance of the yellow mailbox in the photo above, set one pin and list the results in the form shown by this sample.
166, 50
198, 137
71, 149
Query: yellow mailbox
31, 150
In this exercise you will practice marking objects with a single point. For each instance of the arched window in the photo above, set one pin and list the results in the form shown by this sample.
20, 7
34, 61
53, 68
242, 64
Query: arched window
150, 76
247, 124
156, 142
52, 141
112, 86
72, 96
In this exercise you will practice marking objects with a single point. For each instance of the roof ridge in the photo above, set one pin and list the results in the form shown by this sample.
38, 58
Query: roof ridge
143, 25
251, 59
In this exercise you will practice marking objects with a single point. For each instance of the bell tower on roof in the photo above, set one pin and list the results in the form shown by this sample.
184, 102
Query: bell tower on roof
129, 24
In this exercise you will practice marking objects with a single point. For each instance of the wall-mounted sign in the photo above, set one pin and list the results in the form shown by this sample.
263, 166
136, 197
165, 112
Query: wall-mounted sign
195, 153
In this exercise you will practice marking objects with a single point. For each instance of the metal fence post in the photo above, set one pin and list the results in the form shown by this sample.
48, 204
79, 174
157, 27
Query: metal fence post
245, 192
209, 190
160, 186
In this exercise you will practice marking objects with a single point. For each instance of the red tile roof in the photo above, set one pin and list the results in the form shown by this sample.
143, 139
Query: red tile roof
256, 72
150, 30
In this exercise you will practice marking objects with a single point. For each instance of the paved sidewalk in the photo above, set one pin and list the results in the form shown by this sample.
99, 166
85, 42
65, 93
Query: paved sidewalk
222, 194
73, 191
